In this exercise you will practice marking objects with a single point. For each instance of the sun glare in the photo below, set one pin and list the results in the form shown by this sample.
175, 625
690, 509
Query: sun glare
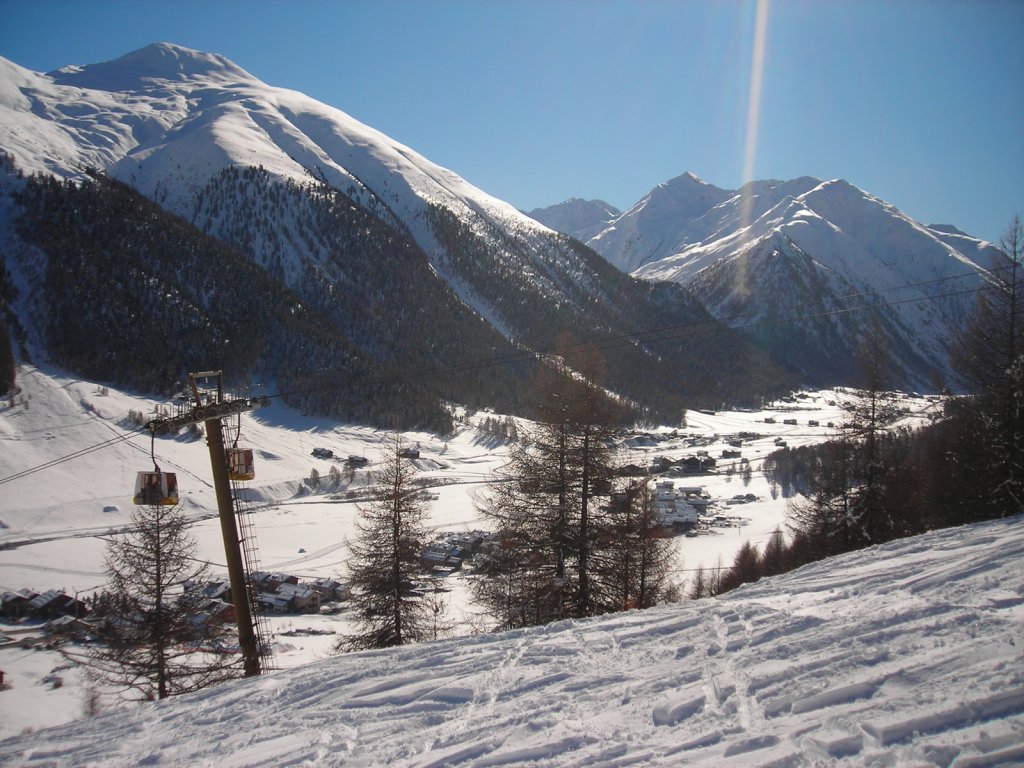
753, 118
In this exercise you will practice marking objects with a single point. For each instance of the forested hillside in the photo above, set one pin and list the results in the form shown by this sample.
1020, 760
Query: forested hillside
301, 285
132, 295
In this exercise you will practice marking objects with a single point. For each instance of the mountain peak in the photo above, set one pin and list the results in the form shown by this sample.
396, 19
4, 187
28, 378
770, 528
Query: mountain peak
155, 62
687, 195
688, 179
576, 216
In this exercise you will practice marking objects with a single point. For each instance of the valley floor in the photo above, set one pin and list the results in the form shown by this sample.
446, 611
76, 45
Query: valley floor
53, 523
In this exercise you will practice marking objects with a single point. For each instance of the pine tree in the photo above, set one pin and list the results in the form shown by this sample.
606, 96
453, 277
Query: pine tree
153, 639
869, 417
547, 503
821, 517
844, 504
987, 358
746, 568
699, 586
633, 561
385, 563
774, 554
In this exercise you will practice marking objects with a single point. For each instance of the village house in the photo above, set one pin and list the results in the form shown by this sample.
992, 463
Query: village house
331, 589
269, 602
70, 626
214, 612
55, 603
442, 556
300, 598
15, 605
659, 464
694, 465
672, 507
269, 582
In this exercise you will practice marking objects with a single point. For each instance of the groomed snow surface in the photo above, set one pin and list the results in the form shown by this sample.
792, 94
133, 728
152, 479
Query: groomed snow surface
906, 654
902, 655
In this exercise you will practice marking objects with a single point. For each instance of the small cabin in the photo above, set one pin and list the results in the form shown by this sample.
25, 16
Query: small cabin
156, 489
240, 463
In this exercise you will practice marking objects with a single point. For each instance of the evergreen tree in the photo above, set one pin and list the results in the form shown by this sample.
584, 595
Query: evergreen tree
868, 419
385, 561
699, 586
746, 568
632, 559
987, 358
822, 516
547, 502
844, 506
153, 639
774, 554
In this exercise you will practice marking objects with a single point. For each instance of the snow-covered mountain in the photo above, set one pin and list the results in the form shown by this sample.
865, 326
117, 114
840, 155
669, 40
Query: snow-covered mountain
395, 255
167, 119
581, 218
811, 249
906, 654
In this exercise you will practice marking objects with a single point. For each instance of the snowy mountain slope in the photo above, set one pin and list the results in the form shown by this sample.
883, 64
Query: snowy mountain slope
291, 183
905, 654
54, 523
581, 218
168, 118
751, 254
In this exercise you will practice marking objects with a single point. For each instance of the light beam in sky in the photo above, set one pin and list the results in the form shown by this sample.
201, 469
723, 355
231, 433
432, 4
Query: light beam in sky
754, 99
753, 120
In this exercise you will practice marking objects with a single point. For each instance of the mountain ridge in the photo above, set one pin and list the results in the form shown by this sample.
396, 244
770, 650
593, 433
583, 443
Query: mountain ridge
197, 117
916, 281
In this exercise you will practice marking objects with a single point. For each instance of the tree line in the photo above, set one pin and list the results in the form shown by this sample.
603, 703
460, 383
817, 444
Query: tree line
874, 481
570, 538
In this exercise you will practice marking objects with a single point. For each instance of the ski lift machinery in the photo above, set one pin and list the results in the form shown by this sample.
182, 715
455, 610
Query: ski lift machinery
211, 407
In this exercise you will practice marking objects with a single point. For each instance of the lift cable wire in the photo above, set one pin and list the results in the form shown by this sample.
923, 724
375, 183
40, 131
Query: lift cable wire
74, 455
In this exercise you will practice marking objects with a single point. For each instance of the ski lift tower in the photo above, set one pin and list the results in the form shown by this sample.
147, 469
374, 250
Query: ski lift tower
210, 406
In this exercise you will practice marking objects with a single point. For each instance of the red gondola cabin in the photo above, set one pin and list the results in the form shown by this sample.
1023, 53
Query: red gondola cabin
156, 489
240, 464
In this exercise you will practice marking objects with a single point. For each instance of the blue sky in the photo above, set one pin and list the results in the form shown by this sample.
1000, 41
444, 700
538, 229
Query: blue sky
918, 102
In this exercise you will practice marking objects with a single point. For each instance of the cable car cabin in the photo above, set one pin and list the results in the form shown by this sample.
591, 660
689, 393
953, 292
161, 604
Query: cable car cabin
156, 489
240, 464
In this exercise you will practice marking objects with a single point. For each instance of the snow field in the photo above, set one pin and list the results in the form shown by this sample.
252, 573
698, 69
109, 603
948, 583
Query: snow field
56, 517
852, 662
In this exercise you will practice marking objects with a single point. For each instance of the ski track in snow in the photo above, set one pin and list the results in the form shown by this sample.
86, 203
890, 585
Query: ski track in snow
905, 654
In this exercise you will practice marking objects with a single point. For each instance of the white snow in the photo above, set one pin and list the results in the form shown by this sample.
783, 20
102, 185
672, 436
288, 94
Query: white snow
903, 654
860, 244
167, 118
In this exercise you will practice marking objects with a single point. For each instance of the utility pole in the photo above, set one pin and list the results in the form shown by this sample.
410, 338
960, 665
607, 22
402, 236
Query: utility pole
210, 414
